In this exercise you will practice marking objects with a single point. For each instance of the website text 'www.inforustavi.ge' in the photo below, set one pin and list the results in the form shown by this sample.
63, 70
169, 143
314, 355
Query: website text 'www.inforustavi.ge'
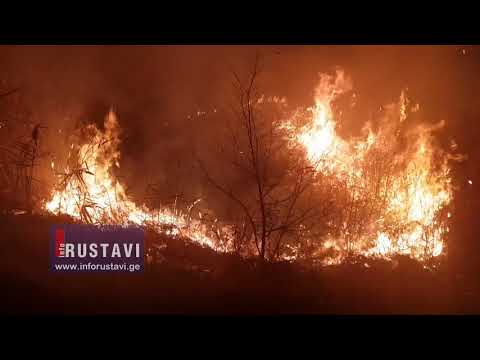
89, 248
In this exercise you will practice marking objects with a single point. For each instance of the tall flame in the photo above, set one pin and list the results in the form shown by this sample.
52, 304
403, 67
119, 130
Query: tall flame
391, 187
88, 191
397, 183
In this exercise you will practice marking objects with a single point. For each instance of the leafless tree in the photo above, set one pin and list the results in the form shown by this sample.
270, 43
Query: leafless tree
268, 179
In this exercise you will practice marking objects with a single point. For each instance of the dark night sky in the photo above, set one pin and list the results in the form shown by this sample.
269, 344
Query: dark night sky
154, 89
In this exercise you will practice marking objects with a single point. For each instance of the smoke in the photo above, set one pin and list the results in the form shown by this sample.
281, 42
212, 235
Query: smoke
165, 97
330, 87
169, 97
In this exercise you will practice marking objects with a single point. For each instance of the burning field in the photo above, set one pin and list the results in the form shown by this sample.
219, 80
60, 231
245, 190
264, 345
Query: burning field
390, 187
305, 187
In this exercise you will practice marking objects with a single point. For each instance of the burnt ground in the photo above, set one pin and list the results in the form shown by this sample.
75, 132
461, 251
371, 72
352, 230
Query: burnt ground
194, 280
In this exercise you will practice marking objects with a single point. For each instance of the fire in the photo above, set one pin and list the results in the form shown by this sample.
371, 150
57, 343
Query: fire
391, 187
89, 192
397, 183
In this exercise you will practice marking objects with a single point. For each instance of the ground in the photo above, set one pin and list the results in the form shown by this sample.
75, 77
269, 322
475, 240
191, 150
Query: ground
193, 280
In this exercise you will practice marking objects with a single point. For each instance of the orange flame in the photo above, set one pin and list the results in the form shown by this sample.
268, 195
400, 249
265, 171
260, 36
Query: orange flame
410, 191
393, 186
89, 192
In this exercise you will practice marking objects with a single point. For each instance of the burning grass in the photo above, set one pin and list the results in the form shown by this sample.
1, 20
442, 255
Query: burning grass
88, 191
390, 188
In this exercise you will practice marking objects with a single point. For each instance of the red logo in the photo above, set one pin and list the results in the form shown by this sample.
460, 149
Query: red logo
60, 243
